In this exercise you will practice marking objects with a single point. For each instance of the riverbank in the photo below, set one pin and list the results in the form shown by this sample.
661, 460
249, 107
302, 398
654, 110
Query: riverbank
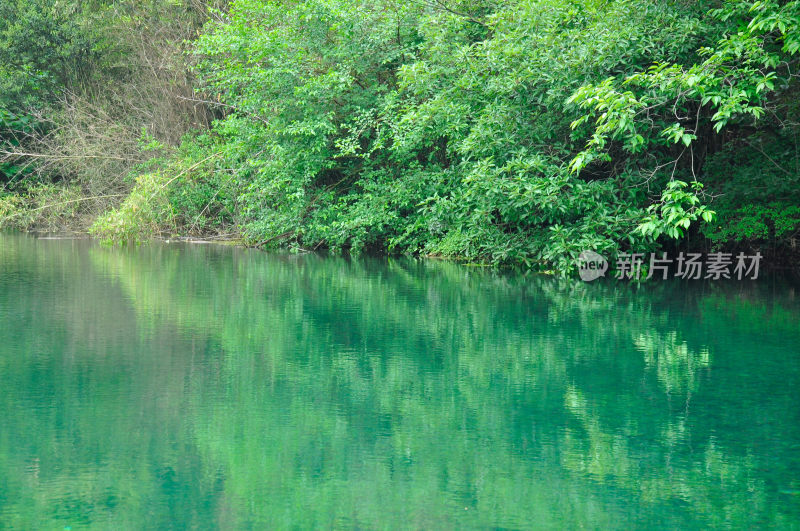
640, 127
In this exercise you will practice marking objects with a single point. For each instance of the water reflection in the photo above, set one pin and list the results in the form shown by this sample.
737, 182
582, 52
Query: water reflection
180, 386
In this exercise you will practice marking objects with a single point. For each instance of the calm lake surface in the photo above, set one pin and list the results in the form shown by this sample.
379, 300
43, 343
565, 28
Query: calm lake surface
194, 386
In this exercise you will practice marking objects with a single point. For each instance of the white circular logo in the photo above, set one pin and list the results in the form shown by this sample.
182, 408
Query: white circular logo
591, 266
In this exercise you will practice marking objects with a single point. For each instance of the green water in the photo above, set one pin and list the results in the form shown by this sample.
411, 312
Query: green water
192, 386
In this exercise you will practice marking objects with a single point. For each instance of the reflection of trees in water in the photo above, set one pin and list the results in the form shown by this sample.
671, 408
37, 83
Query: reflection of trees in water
353, 391
675, 364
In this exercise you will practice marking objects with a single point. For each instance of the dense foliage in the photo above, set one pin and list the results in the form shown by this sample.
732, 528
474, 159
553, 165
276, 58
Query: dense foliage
516, 133
89, 91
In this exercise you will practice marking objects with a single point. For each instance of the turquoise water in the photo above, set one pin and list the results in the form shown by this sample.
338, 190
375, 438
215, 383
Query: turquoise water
193, 386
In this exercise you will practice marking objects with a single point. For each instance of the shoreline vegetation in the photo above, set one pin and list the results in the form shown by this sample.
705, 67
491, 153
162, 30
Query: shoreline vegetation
516, 133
